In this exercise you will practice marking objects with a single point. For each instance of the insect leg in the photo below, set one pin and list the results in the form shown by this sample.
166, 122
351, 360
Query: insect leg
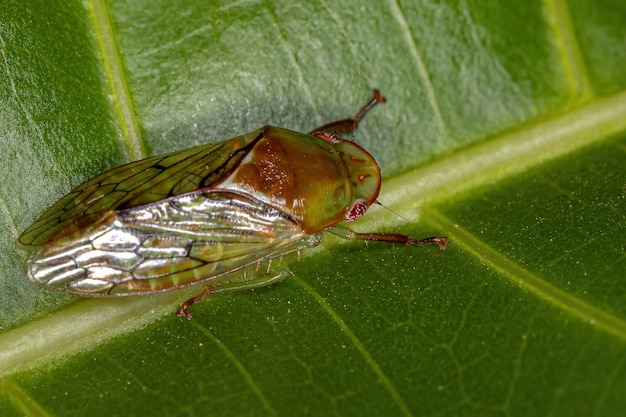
239, 280
183, 311
350, 125
349, 234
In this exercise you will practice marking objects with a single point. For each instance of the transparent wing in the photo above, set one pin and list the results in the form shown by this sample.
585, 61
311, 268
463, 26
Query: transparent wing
173, 243
138, 183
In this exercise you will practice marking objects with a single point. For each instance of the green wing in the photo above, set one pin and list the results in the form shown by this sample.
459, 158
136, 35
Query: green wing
176, 242
135, 184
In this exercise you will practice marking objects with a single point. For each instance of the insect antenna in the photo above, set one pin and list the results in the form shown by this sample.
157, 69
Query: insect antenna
394, 212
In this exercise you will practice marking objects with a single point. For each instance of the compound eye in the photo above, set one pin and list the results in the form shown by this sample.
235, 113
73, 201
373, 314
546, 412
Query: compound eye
357, 210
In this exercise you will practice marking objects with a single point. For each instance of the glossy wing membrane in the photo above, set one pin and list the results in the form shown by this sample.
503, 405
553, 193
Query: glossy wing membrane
137, 183
169, 244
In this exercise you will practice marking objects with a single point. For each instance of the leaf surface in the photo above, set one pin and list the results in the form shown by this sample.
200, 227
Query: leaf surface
504, 130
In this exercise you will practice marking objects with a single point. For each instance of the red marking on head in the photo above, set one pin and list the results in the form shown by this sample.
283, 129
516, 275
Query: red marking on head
361, 177
357, 210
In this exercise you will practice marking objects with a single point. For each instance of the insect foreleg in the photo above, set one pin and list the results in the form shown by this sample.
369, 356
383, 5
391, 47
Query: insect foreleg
349, 234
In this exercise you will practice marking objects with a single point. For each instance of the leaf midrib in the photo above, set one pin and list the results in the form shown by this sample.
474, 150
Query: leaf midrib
505, 155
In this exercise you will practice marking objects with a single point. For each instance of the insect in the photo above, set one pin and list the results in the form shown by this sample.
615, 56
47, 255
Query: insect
208, 214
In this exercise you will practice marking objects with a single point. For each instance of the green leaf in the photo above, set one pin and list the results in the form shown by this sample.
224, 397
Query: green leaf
504, 130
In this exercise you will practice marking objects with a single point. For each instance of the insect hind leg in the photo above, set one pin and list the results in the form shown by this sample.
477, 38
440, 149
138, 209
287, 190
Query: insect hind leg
250, 278
350, 125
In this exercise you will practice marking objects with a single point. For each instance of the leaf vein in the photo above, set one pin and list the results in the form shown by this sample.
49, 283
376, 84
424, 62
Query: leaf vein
117, 80
384, 379
568, 47
242, 370
419, 64
528, 280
